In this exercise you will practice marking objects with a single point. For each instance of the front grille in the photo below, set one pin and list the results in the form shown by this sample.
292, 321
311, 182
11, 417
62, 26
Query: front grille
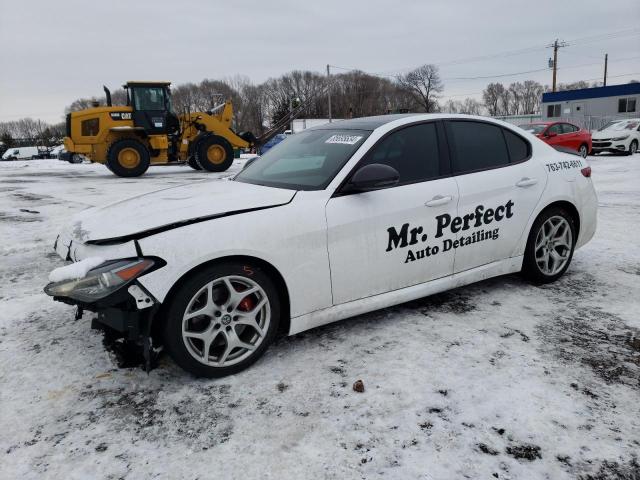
601, 144
68, 125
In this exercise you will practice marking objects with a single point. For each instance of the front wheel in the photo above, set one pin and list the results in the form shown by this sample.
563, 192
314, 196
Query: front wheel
222, 320
633, 147
550, 246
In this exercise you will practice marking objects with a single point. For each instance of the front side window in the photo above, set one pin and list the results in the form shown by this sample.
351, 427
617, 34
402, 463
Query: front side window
553, 110
308, 160
412, 151
626, 105
476, 146
557, 129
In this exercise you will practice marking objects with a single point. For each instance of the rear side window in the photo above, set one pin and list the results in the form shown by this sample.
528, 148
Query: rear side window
90, 127
568, 128
412, 151
518, 147
476, 146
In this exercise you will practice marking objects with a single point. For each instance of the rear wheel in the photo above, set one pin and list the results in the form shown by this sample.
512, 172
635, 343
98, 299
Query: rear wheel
128, 158
214, 154
222, 320
193, 163
550, 246
583, 151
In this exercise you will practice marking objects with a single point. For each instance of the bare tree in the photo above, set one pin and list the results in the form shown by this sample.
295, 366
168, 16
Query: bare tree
424, 84
532, 96
471, 106
491, 96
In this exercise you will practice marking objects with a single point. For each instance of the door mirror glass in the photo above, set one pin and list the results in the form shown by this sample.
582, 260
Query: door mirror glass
373, 177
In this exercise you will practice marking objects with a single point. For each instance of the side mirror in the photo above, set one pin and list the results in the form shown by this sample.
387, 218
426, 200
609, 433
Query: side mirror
373, 177
550, 134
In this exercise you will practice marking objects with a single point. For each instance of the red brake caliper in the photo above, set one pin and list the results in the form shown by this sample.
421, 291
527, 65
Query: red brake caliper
246, 304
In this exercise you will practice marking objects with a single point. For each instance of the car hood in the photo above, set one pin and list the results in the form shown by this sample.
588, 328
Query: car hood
611, 134
155, 212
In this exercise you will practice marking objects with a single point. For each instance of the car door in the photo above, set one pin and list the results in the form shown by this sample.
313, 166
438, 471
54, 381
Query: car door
570, 136
384, 240
499, 187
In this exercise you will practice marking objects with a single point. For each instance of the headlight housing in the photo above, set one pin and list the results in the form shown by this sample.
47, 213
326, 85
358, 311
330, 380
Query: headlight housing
103, 280
618, 139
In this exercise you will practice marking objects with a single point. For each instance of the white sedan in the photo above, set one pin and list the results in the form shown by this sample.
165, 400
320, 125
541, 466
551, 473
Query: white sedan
335, 221
618, 136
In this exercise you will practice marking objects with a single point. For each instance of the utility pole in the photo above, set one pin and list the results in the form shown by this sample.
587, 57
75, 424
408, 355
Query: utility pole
555, 45
606, 60
329, 90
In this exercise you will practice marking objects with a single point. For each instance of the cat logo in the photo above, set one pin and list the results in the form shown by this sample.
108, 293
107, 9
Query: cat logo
120, 115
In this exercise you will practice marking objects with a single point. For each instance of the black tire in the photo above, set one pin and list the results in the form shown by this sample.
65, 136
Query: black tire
172, 328
214, 154
633, 147
193, 163
530, 268
121, 151
583, 151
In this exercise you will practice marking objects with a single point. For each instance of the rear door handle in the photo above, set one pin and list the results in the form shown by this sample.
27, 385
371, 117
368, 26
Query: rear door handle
526, 182
439, 200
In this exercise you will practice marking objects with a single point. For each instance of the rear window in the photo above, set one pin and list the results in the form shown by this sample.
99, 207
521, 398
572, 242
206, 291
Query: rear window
518, 147
476, 146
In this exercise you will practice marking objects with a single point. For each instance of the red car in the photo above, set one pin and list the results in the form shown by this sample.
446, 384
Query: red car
562, 134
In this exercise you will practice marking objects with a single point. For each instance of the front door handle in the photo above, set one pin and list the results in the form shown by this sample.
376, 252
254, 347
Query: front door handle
439, 200
526, 182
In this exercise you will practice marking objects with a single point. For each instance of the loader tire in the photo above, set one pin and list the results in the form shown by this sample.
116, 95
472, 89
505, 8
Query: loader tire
128, 158
214, 154
193, 163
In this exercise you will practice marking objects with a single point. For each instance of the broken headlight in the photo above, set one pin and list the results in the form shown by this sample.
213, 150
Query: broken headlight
101, 281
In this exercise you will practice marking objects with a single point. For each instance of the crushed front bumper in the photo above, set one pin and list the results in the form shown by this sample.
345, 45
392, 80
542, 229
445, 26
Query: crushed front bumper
129, 311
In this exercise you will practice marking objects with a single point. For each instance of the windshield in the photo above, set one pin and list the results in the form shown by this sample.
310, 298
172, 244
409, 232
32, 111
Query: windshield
305, 161
621, 125
535, 128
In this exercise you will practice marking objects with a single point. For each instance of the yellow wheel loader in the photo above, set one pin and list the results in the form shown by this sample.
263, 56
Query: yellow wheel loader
128, 139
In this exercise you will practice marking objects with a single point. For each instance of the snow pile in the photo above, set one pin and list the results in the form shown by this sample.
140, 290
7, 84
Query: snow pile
75, 270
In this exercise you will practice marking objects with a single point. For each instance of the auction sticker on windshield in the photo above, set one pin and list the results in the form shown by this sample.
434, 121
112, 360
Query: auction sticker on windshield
344, 139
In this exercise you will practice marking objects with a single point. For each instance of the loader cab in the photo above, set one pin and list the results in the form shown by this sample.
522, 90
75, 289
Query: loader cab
152, 109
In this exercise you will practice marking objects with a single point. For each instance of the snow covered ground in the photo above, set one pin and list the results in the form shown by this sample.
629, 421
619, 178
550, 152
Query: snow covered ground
497, 380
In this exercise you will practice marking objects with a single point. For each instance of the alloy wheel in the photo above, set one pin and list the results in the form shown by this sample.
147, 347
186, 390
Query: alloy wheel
554, 242
226, 321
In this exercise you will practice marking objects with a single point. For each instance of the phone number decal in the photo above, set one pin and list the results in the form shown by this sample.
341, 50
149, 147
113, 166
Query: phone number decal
565, 165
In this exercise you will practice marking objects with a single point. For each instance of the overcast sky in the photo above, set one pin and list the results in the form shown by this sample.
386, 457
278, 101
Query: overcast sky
54, 51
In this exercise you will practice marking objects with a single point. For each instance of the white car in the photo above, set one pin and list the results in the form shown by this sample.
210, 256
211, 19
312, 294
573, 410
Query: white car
618, 136
333, 222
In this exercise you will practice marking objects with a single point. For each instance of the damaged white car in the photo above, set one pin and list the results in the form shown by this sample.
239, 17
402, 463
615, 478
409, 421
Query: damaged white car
335, 221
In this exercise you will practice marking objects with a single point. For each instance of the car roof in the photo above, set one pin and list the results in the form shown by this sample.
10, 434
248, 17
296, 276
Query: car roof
365, 123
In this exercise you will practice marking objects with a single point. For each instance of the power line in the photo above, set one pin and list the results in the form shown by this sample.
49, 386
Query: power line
508, 53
